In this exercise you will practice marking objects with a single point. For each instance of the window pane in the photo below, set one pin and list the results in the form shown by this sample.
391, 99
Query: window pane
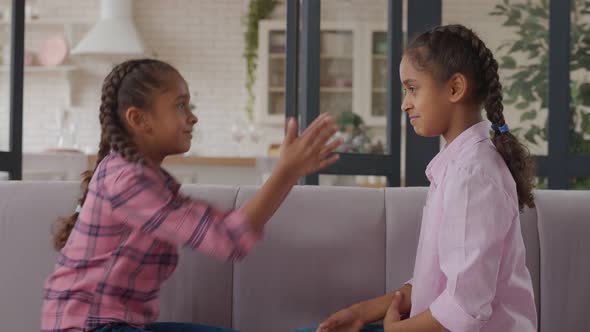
580, 79
5, 52
580, 183
541, 183
517, 34
367, 181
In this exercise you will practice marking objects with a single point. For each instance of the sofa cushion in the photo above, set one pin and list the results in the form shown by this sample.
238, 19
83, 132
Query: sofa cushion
403, 218
322, 251
200, 290
564, 233
27, 211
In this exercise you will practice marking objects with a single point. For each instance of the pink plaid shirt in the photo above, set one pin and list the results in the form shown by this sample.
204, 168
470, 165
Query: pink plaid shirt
124, 246
470, 266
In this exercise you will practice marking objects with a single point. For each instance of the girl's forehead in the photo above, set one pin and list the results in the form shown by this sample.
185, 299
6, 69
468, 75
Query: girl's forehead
408, 71
175, 84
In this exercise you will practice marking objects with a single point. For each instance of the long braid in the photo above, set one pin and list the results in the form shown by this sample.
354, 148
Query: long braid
111, 124
120, 90
457, 49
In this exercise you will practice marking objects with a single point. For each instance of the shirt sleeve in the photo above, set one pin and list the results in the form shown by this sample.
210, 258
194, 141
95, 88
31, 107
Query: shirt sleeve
143, 201
476, 217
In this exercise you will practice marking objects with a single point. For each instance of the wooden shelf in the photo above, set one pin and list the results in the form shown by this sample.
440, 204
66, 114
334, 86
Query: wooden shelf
380, 56
194, 160
49, 22
336, 57
322, 56
336, 89
326, 89
379, 90
42, 69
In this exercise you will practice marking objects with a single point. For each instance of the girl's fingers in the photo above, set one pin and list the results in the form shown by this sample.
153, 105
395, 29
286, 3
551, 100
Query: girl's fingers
325, 326
315, 123
323, 138
327, 149
393, 314
312, 133
291, 133
328, 162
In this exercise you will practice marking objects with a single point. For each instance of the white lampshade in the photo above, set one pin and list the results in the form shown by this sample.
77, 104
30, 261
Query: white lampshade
114, 33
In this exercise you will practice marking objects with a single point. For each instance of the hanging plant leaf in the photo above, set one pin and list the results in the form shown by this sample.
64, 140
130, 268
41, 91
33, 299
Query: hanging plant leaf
257, 10
584, 93
528, 116
508, 62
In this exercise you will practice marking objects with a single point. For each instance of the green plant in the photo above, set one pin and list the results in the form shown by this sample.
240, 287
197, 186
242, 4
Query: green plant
257, 10
526, 87
356, 137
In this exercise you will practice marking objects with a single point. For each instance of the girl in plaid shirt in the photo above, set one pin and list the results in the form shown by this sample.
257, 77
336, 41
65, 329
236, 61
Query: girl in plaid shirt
121, 245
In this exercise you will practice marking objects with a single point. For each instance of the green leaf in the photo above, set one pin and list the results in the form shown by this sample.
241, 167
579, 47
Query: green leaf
541, 91
586, 123
532, 25
508, 62
501, 8
530, 136
513, 18
522, 105
584, 93
528, 116
503, 45
540, 12
521, 75
527, 94
509, 101
518, 46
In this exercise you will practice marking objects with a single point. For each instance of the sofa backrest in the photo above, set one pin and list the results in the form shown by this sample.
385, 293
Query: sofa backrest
325, 248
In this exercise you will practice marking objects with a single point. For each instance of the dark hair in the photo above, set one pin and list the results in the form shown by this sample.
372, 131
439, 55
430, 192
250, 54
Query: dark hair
130, 83
450, 49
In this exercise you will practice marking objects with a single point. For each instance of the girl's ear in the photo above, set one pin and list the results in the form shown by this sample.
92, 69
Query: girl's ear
138, 120
457, 88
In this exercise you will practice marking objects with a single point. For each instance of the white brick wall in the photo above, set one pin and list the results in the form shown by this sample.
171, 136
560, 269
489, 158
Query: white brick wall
204, 40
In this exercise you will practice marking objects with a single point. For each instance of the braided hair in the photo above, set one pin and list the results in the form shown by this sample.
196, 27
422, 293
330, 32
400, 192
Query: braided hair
450, 49
131, 83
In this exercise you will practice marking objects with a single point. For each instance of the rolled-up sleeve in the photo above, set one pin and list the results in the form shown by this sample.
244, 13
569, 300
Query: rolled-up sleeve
142, 200
476, 217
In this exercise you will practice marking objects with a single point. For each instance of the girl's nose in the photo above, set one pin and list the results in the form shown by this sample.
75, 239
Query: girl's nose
405, 106
193, 119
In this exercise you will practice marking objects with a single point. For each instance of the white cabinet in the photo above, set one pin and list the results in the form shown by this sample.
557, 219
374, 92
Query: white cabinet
34, 27
353, 71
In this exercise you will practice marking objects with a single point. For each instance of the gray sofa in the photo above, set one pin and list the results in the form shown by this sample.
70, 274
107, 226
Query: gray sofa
326, 248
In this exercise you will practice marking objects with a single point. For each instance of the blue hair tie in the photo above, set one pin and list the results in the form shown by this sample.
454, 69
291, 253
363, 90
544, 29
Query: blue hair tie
502, 129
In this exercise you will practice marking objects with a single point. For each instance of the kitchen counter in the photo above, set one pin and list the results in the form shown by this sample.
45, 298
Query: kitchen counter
67, 166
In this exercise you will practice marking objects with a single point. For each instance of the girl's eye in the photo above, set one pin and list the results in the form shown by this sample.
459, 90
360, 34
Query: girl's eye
411, 90
180, 106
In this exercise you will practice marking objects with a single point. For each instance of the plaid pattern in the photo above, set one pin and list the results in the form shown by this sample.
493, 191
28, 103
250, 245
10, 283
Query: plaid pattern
124, 246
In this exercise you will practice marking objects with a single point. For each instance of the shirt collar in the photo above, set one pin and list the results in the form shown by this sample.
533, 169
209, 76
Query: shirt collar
438, 165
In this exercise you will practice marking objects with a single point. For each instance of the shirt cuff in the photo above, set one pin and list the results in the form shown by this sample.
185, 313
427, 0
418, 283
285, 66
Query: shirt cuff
244, 236
452, 316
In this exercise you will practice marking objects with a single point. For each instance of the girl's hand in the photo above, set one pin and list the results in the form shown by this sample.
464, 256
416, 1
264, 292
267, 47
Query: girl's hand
346, 320
393, 316
308, 153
